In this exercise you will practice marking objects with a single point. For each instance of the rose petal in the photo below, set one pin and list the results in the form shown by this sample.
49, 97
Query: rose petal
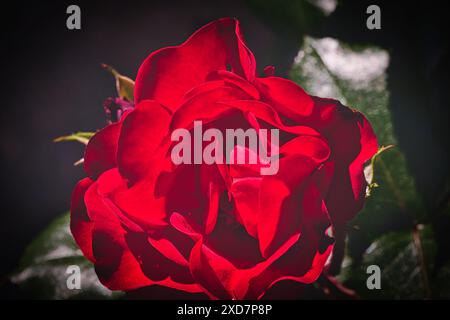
161, 263
264, 111
205, 106
117, 258
232, 79
279, 202
246, 199
287, 97
140, 204
352, 142
80, 224
100, 153
214, 273
167, 74
142, 134
302, 257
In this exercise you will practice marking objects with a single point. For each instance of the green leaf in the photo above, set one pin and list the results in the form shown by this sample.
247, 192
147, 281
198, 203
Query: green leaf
82, 137
370, 168
401, 273
383, 230
42, 273
124, 85
357, 77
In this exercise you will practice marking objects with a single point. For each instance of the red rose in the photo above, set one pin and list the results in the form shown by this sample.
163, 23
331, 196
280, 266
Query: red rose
222, 229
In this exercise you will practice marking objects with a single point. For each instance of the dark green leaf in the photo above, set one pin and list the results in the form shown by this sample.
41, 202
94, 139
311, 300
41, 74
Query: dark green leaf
42, 271
357, 78
383, 230
401, 273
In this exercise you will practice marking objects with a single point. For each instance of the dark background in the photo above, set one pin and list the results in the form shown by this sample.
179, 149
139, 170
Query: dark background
52, 84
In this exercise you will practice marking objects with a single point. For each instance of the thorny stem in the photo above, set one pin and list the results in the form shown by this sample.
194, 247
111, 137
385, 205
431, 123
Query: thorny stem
421, 259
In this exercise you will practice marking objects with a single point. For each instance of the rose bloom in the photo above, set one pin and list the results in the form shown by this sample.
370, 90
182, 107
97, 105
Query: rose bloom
220, 229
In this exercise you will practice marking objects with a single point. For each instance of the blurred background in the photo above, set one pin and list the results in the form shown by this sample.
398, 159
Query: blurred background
52, 84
